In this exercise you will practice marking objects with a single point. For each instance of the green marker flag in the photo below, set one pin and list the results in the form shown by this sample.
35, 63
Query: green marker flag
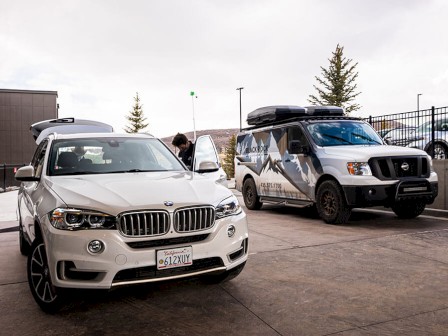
192, 93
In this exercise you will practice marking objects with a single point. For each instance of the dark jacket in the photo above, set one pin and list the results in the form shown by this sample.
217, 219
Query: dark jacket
187, 156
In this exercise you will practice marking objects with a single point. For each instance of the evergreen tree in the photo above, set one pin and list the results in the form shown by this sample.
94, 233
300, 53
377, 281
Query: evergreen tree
136, 117
229, 165
339, 87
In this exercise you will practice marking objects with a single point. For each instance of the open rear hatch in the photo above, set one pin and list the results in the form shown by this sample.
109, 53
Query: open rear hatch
67, 126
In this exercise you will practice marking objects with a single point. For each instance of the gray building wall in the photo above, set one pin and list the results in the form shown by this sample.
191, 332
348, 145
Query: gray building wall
18, 110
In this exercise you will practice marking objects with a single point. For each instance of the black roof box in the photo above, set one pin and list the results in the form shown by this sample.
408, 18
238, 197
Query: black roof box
324, 111
269, 114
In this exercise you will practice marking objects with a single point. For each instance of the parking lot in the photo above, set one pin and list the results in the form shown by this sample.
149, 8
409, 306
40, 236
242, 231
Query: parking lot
376, 275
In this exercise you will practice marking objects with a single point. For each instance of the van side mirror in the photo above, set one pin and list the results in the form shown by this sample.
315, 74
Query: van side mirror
207, 167
296, 147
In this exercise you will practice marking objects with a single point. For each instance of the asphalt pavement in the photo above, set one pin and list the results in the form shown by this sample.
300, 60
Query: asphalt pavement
376, 275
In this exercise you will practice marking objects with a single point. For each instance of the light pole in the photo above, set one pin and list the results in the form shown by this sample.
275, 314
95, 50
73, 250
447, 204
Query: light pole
418, 102
194, 123
241, 122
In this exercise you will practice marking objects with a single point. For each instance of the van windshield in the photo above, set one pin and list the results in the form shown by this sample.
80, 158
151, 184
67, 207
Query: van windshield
343, 133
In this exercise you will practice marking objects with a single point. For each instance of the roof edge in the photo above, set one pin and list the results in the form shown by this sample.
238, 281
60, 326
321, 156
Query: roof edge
28, 91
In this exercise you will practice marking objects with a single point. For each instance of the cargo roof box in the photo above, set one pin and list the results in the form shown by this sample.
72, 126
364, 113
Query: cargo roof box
269, 114
324, 110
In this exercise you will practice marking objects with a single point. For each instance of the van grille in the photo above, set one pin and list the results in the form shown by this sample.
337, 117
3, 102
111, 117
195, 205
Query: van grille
392, 168
194, 218
144, 223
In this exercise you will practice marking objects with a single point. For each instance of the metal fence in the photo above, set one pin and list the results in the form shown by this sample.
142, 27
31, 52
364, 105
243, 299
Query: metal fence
424, 129
7, 172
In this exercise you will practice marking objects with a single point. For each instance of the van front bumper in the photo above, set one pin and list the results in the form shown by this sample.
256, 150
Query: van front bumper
372, 195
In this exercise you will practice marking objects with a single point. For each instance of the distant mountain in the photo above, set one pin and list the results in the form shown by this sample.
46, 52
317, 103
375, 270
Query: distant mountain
220, 137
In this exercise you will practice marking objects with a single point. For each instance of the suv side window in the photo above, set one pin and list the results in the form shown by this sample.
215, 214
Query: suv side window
38, 159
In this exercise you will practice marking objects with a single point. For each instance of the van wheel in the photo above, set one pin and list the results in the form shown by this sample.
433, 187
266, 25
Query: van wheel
250, 195
330, 203
47, 296
408, 210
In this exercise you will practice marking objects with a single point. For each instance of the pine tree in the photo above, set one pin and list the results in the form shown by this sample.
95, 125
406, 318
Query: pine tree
339, 87
228, 165
136, 117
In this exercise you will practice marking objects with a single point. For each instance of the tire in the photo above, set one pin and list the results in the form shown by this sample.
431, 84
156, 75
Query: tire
330, 203
23, 243
408, 210
224, 277
440, 151
250, 195
47, 296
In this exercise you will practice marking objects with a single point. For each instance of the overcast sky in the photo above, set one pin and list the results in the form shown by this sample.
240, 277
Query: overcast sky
98, 53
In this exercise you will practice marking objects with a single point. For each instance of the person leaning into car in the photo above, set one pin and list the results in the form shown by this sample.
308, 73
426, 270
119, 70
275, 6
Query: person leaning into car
186, 149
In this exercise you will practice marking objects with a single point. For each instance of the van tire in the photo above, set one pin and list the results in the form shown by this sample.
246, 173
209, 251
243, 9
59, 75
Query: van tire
331, 204
408, 210
250, 195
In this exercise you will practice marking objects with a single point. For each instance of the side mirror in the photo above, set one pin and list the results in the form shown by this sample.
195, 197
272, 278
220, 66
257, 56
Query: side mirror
207, 167
388, 141
296, 147
26, 174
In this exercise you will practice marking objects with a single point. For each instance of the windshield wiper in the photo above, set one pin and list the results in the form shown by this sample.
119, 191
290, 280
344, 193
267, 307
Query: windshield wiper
337, 138
366, 138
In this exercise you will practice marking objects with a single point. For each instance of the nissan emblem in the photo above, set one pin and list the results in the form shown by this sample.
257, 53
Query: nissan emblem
405, 166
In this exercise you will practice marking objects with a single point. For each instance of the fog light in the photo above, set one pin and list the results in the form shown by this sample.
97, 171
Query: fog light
95, 246
231, 230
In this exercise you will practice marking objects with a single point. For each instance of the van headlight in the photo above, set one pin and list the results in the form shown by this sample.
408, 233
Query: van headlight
228, 207
358, 168
77, 219
431, 167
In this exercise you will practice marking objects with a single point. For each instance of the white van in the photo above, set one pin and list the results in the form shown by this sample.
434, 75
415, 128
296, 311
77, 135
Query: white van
316, 156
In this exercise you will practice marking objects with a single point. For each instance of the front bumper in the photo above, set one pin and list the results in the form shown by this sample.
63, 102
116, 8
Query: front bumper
125, 261
372, 195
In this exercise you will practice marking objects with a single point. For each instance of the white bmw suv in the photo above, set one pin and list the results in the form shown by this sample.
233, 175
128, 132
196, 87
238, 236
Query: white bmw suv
99, 210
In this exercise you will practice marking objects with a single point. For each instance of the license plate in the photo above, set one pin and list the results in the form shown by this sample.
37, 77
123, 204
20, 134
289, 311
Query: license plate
177, 257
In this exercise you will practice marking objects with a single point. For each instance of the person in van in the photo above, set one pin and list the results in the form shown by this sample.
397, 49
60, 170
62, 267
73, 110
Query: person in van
186, 149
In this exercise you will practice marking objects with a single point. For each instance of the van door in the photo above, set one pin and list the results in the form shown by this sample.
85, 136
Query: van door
205, 150
297, 165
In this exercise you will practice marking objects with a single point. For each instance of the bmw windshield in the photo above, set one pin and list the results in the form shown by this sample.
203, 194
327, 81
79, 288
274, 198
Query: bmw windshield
110, 155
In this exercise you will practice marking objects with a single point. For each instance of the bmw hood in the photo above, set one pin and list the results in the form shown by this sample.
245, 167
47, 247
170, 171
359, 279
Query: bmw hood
362, 153
115, 193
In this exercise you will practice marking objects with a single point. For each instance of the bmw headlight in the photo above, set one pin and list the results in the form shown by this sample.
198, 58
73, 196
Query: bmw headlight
228, 207
74, 219
358, 168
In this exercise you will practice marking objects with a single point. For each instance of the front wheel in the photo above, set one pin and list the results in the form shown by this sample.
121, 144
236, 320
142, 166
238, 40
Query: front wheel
330, 203
250, 195
47, 296
408, 210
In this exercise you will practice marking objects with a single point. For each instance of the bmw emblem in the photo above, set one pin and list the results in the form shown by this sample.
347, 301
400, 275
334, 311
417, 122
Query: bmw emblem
405, 166
168, 203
